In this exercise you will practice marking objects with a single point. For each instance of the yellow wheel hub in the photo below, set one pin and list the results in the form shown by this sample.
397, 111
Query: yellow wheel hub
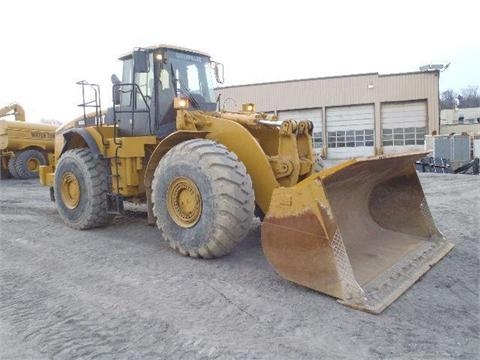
70, 190
33, 164
184, 202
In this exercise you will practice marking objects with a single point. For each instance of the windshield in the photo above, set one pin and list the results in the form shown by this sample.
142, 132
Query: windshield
192, 76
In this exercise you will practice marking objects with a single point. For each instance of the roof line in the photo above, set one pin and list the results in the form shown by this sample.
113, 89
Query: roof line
166, 46
325, 78
409, 73
298, 80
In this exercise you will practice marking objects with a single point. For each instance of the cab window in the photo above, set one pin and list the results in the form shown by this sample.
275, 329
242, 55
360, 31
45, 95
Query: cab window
126, 93
146, 84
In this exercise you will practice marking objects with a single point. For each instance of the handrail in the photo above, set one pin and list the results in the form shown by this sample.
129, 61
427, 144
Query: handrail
135, 89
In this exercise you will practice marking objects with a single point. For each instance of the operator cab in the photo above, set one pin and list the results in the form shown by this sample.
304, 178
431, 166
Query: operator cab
152, 77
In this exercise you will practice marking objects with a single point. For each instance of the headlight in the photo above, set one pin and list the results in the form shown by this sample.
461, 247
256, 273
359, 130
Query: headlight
181, 103
248, 107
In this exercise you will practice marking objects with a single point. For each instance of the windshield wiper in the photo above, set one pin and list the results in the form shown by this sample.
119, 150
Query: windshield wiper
183, 88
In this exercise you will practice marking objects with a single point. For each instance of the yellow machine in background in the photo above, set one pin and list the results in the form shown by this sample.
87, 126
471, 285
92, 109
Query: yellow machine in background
360, 231
23, 146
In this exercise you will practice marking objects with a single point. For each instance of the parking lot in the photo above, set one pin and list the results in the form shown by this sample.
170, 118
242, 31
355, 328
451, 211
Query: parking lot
121, 292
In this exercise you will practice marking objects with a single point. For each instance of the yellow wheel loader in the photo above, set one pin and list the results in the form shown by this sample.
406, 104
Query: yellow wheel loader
23, 146
360, 231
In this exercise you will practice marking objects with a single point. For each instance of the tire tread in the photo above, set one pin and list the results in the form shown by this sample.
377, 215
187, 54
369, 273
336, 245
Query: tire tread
21, 160
236, 208
96, 170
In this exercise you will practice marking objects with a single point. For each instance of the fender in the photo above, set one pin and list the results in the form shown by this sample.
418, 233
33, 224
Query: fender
240, 141
84, 135
157, 155
69, 139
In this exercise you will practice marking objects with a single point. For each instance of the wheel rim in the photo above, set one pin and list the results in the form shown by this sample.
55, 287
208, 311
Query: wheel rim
33, 164
70, 188
184, 202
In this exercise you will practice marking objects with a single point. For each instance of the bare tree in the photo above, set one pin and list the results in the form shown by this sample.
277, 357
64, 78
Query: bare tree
447, 99
470, 97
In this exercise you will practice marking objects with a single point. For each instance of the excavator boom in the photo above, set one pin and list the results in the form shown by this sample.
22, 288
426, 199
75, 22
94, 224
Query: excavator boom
13, 109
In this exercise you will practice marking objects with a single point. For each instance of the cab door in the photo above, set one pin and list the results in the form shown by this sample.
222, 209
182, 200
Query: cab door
136, 113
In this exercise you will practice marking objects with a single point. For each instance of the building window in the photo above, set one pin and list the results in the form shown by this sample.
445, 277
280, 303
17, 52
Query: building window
350, 138
404, 136
317, 140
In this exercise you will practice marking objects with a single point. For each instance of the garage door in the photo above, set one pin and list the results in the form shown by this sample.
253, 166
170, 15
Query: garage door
404, 126
315, 116
350, 131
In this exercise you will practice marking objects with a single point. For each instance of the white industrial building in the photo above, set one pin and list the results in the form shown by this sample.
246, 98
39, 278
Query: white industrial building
353, 115
460, 116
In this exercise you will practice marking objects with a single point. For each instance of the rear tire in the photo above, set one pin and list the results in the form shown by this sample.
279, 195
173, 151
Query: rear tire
202, 198
81, 187
28, 163
11, 167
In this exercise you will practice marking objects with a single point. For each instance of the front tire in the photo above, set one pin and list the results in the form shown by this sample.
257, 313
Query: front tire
11, 167
202, 198
81, 187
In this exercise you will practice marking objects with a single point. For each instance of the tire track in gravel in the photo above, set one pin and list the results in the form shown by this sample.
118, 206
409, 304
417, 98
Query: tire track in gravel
119, 292
82, 331
207, 302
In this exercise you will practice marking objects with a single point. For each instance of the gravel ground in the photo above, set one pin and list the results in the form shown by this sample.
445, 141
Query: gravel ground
120, 292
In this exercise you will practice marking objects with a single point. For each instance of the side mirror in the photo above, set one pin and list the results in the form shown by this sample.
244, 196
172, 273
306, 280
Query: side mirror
219, 75
116, 89
140, 61
115, 79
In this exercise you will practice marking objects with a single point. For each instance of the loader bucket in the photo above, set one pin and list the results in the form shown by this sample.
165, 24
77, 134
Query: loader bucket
360, 231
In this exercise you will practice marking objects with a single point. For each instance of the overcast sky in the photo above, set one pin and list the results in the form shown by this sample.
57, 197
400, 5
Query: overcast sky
49, 45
